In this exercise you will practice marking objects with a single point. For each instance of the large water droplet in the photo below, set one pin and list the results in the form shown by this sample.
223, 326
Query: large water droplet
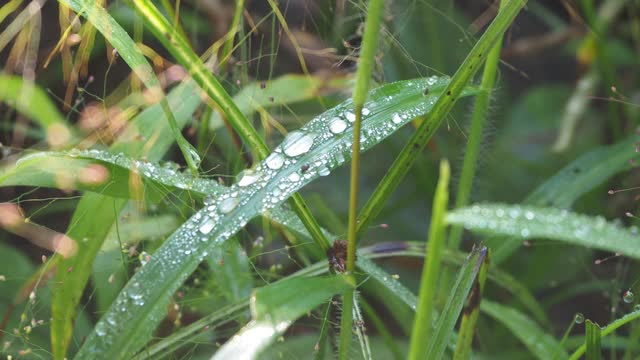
228, 204
275, 161
578, 318
248, 177
337, 125
351, 116
294, 177
396, 119
324, 171
206, 226
297, 143
628, 296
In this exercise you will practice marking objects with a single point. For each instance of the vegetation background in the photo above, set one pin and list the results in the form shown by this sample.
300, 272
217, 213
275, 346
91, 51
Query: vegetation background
559, 132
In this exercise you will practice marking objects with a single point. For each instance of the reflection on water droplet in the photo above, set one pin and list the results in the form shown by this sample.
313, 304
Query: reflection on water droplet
297, 143
337, 125
578, 318
228, 204
275, 161
206, 226
248, 177
396, 119
628, 296
294, 177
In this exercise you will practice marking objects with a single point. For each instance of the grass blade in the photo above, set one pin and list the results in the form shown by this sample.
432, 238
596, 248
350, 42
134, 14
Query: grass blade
593, 335
275, 307
457, 297
539, 343
579, 177
428, 283
529, 222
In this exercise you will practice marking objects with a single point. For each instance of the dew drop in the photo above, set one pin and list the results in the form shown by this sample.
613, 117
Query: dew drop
337, 125
297, 143
324, 171
294, 177
228, 204
396, 119
636, 308
351, 116
208, 200
529, 215
628, 296
248, 177
206, 226
275, 161
100, 329
578, 318
365, 112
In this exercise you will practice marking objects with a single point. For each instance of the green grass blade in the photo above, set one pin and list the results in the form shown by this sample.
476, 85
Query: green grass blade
30, 100
306, 154
478, 118
130, 53
455, 302
593, 336
431, 269
579, 177
539, 343
363, 77
470, 314
529, 222
275, 307
73, 273
437, 115
608, 330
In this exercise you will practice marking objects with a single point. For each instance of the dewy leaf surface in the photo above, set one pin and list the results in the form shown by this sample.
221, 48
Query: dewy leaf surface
530, 222
305, 154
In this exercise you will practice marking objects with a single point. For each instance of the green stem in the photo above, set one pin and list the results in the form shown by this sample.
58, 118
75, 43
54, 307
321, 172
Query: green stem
363, 77
478, 120
422, 324
228, 46
438, 113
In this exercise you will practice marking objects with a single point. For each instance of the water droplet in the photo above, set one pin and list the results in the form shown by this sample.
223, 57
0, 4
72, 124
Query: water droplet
578, 318
228, 204
208, 200
525, 232
297, 143
365, 112
396, 119
275, 161
351, 116
529, 215
294, 177
101, 329
636, 308
337, 125
628, 296
206, 226
248, 177
324, 171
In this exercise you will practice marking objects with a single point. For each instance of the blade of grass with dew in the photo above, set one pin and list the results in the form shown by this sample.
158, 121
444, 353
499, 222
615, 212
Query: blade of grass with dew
284, 90
529, 222
432, 265
275, 307
305, 154
459, 292
579, 177
471, 313
437, 115
539, 343
180, 49
30, 100
608, 330
73, 273
130, 53
592, 341
474, 137
363, 75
